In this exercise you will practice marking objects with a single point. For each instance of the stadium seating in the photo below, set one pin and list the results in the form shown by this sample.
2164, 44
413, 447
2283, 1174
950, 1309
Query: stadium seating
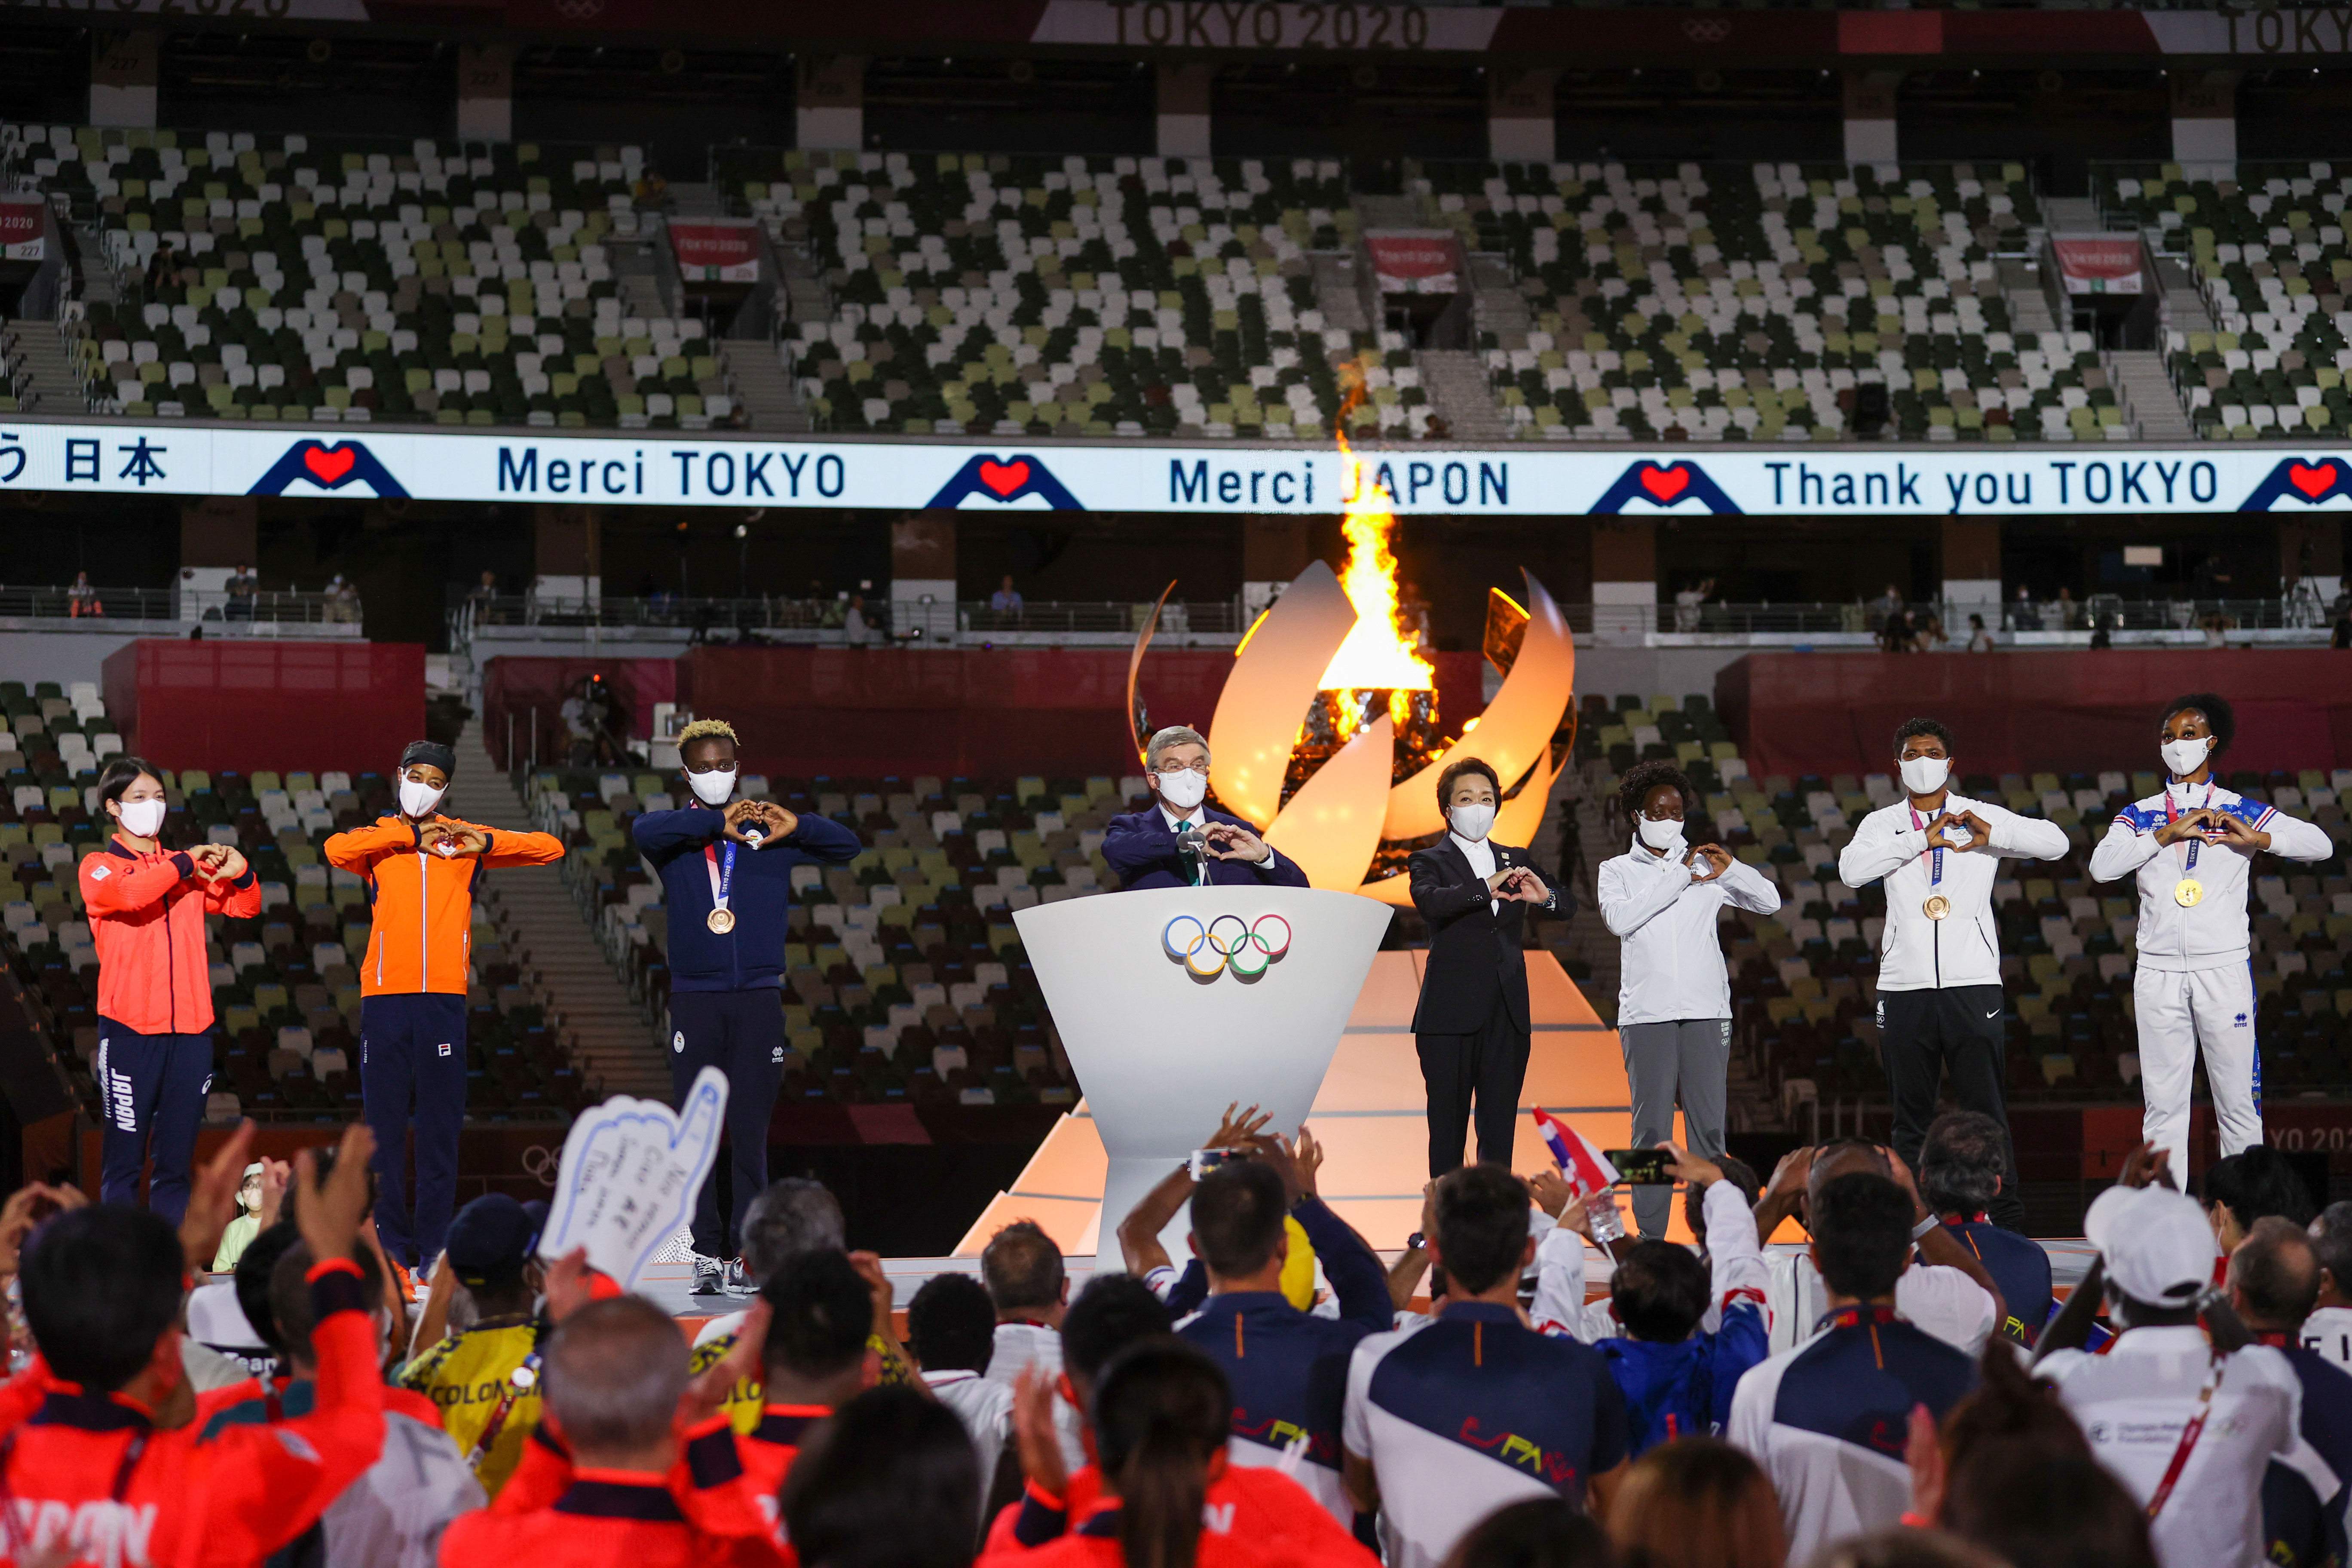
990, 293
337, 279
285, 986
2271, 258
17, 394
1803, 980
904, 977
1723, 302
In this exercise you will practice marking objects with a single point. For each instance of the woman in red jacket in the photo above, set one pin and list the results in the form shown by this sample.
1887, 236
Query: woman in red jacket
1162, 1414
147, 905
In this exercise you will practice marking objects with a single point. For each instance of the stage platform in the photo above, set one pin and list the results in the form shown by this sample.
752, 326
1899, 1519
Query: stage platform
672, 1284
1370, 1115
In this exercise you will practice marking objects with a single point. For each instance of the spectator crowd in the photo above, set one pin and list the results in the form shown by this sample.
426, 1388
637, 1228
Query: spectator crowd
1904, 1388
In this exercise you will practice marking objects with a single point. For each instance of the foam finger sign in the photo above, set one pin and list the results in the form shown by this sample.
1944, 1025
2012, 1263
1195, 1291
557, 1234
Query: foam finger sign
629, 1175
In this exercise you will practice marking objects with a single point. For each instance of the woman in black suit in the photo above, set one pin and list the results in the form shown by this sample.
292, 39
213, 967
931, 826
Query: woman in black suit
1470, 1028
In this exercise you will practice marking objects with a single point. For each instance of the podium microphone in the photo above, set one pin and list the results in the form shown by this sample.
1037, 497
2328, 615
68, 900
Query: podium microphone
1193, 845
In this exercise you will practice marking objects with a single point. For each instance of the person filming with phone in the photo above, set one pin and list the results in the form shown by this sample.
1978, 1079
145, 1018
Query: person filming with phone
1661, 899
1471, 1026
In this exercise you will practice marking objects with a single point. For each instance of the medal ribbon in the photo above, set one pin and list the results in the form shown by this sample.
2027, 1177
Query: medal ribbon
720, 879
2189, 1436
1936, 871
2196, 841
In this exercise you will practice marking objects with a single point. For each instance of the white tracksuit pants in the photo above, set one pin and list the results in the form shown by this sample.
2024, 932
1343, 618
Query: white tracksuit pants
2180, 1010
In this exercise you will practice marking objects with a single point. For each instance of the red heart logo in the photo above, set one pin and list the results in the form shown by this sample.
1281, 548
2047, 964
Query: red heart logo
2311, 481
1666, 483
1004, 478
330, 466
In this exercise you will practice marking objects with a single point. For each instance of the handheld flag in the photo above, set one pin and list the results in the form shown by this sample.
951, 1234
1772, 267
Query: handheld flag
1586, 1169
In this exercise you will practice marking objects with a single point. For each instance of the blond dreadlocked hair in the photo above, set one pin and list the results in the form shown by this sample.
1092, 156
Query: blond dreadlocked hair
704, 729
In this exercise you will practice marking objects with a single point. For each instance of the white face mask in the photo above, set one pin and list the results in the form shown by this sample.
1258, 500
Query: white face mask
1184, 788
1665, 837
2185, 757
713, 787
1925, 775
417, 799
1473, 821
143, 818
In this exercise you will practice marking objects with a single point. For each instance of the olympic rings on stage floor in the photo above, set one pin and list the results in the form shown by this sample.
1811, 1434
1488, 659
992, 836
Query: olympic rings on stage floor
1226, 941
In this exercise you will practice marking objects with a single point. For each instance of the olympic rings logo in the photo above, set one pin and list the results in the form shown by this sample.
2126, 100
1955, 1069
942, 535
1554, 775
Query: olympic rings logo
1227, 942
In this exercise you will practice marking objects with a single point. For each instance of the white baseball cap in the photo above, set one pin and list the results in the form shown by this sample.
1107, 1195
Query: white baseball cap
2157, 1243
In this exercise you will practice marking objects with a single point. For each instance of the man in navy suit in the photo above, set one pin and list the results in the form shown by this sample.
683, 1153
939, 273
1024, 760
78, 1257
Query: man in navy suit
1146, 847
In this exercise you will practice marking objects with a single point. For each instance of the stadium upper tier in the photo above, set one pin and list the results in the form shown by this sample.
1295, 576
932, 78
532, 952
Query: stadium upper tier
242, 276
2270, 255
1747, 302
330, 279
1085, 296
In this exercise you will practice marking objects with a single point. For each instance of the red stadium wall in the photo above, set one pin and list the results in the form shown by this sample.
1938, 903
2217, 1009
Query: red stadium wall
992, 713
2062, 712
981, 713
978, 713
253, 704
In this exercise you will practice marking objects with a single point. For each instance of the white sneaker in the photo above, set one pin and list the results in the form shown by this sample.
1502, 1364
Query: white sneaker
709, 1275
739, 1279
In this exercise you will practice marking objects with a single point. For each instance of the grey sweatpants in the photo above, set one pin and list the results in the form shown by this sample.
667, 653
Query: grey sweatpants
1681, 1062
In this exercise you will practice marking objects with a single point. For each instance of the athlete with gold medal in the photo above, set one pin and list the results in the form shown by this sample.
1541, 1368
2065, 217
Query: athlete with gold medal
1940, 1007
2190, 850
725, 862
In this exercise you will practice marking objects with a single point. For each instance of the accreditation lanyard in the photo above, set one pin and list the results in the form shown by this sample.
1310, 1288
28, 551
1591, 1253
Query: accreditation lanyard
1936, 855
2189, 1436
2196, 839
722, 873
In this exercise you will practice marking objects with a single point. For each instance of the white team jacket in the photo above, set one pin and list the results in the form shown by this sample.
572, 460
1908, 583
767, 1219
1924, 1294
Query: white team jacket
2212, 935
1672, 961
1963, 949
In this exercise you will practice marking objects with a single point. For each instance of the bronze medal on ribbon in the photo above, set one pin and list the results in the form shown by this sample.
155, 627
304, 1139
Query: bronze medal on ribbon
720, 920
1937, 906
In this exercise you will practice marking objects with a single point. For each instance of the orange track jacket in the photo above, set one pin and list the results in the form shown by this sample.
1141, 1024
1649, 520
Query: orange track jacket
423, 902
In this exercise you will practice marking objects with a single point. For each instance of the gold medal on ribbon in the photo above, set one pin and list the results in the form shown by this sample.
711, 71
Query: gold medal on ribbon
2188, 893
721, 920
1937, 906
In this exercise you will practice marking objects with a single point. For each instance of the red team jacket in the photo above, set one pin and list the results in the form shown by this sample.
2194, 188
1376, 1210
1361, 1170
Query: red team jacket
717, 1504
603, 1519
91, 1468
147, 921
1251, 1516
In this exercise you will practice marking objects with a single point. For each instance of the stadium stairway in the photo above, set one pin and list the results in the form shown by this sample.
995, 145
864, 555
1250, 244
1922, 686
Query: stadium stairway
1496, 303
1456, 384
54, 389
2029, 303
2184, 306
610, 1040
1335, 294
766, 388
2149, 399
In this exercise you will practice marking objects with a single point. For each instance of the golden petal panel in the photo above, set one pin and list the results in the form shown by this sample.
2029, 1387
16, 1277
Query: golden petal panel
1513, 733
1275, 676
1332, 826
